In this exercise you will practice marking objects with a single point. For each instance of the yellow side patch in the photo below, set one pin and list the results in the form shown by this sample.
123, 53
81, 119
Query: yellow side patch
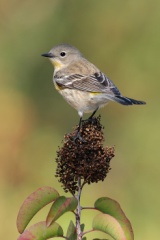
57, 87
95, 93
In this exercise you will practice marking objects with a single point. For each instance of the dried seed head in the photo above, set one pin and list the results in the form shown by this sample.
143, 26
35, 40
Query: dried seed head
87, 160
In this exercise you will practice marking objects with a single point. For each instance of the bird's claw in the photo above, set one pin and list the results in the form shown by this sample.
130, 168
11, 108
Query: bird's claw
78, 137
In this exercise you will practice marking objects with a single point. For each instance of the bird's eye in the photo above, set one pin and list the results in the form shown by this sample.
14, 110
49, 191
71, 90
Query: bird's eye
63, 54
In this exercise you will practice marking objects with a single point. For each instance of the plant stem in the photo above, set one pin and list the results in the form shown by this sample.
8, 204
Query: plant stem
78, 211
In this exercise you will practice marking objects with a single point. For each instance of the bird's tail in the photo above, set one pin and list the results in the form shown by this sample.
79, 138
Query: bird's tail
128, 101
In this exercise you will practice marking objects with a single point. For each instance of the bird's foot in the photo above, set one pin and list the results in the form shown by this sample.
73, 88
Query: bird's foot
78, 137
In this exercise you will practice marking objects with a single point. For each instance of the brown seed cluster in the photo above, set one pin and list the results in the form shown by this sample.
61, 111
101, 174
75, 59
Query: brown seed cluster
86, 159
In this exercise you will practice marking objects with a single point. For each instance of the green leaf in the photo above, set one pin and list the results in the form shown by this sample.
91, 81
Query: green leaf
71, 232
113, 222
82, 227
59, 207
33, 203
40, 231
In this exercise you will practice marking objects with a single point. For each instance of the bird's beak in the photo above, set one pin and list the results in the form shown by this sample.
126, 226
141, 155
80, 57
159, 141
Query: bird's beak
49, 55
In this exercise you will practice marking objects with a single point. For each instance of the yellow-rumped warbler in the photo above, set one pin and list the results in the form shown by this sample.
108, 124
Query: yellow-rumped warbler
81, 83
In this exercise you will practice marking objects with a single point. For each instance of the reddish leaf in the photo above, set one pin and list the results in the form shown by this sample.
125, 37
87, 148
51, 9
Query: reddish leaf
113, 222
59, 207
40, 231
33, 203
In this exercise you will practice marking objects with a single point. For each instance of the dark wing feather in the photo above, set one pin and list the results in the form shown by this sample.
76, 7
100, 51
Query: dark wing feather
97, 82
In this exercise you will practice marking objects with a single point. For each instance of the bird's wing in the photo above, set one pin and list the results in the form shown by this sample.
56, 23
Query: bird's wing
96, 82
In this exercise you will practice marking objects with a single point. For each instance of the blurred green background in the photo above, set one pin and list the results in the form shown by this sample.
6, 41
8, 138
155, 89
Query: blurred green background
123, 39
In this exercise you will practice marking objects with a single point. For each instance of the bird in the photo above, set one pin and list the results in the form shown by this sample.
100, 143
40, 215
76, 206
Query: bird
81, 83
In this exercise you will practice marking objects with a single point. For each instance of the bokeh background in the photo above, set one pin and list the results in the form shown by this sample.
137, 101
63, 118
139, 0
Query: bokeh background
123, 39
